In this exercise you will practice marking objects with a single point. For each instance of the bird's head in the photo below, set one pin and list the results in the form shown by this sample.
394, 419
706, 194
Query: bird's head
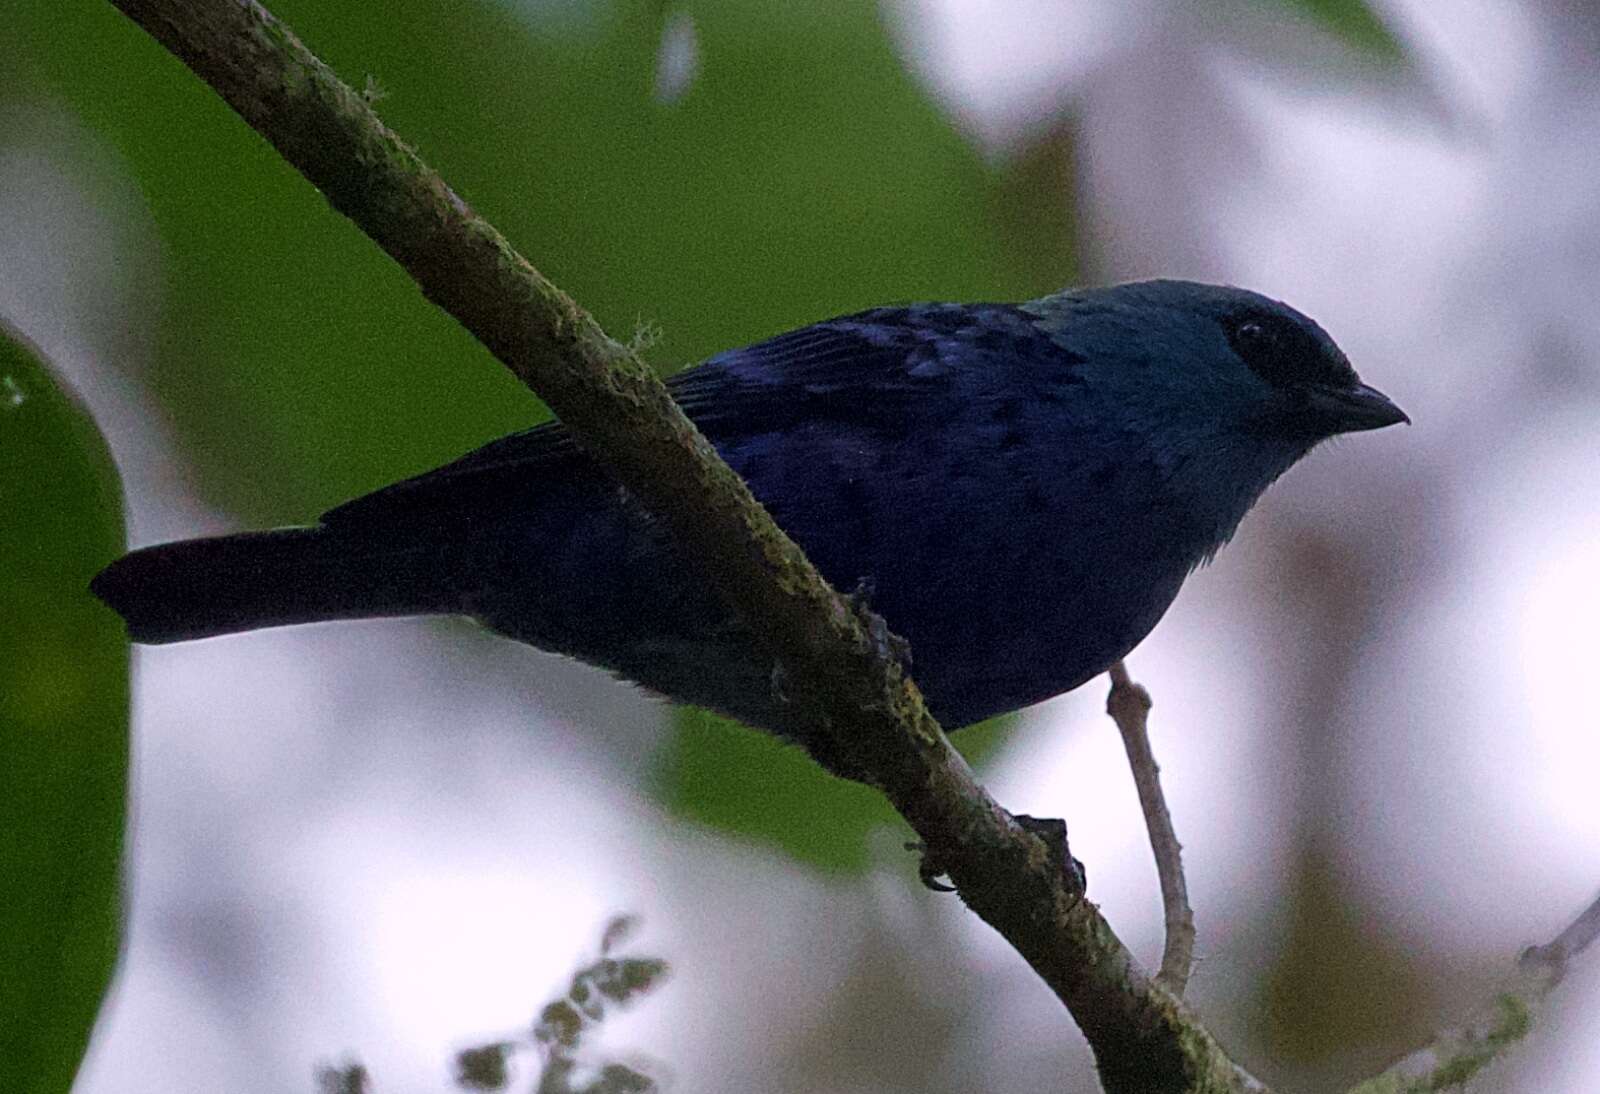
1241, 361
1217, 390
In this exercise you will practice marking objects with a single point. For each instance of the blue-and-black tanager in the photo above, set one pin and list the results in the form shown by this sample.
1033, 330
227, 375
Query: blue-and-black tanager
1019, 488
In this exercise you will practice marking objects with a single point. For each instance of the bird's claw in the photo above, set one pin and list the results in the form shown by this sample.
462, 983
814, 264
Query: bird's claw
861, 596
886, 645
929, 871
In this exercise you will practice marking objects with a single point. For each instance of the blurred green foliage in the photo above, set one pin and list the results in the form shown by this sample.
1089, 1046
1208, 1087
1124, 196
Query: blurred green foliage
802, 174
721, 774
1341, 984
1356, 22
63, 727
557, 1042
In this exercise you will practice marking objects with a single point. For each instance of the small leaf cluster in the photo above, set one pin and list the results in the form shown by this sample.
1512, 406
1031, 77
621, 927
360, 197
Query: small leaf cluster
555, 1038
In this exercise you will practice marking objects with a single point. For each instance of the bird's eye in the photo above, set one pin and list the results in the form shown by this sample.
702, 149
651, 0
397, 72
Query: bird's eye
1251, 333
1260, 345
1283, 352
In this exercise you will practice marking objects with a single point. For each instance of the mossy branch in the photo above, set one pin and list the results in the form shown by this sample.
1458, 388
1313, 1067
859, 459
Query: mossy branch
840, 673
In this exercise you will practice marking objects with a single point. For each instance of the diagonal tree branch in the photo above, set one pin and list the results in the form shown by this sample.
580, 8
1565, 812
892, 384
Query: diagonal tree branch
843, 676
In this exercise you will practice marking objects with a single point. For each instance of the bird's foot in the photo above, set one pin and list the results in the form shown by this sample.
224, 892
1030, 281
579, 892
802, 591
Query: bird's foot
1052, 830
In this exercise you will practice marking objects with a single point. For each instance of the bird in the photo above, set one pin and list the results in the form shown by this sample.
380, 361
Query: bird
1018, 489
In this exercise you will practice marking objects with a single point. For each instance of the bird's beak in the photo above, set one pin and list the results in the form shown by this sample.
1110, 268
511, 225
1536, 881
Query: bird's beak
1353, 409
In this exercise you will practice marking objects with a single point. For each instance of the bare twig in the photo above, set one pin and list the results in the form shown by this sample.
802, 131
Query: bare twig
1456, 1055
1129, 706
854, 694
1551, 958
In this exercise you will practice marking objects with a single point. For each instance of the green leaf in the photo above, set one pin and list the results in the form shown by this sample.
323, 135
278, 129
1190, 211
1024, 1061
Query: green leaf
728, 777
1356, 23
63, 727
723, 775
486, 1067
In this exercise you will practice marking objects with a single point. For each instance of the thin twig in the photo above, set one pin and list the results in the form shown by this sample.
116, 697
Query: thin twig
1129, 707
855, 695
1455, 1056
1553, 956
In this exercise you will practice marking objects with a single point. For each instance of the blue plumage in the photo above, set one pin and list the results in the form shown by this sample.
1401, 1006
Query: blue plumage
1020, 489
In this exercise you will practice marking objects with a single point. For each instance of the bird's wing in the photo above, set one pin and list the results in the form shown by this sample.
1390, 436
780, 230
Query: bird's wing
503, 476
858, 371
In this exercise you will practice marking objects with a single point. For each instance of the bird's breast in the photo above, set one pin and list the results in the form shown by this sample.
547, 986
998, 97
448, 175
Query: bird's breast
1012, 579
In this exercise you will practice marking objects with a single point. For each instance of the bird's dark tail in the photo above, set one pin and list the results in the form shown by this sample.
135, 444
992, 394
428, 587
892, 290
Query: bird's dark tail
197, 588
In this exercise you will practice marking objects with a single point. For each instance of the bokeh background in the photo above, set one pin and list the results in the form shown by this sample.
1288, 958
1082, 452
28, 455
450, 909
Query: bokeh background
388, 841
